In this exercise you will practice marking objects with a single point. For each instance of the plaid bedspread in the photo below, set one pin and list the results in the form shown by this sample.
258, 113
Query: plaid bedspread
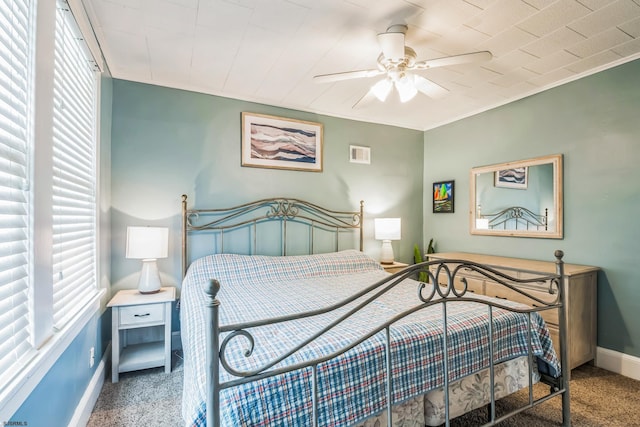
351, 387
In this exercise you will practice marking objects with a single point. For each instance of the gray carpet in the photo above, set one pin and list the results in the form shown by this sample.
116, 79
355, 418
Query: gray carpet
147, 398
598, 398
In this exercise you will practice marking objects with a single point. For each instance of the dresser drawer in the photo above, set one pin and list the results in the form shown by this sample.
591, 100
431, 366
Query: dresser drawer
466, 272
474, 285
499, 291
141, 314
470, 272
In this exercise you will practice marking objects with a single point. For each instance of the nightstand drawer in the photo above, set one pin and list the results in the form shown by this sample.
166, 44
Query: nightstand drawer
139, 314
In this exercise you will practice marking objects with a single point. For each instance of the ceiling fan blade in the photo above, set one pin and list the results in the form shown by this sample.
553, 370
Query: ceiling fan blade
366, 100
346, 75
428, 87
465, 58
392, 45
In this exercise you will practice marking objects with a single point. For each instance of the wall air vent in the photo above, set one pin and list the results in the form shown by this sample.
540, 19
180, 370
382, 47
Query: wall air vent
358, 154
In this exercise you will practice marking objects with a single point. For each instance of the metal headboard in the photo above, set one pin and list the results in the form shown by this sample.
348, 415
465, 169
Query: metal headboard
278, 209
517, 216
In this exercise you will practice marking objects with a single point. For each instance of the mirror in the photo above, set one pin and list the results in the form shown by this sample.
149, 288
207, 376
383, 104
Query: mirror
521, 199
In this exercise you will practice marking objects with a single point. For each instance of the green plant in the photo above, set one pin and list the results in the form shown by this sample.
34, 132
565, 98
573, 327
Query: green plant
417, 257
430, 248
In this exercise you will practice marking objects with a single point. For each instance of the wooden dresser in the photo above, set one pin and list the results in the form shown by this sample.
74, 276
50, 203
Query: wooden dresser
580, 288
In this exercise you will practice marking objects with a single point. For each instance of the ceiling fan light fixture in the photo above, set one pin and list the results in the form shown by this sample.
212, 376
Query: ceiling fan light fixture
397, 61
406, 88
382, 89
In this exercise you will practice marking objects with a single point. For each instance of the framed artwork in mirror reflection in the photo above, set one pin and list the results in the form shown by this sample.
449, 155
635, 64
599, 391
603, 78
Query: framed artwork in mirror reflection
512, 178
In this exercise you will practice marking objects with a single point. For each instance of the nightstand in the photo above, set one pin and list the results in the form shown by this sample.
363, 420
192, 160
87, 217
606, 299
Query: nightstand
395, 267
131, 310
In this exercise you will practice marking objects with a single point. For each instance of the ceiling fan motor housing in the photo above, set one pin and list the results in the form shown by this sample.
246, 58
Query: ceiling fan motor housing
394, 67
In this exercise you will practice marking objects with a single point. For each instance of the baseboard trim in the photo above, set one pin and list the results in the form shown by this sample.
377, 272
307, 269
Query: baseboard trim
617, 362
90, 397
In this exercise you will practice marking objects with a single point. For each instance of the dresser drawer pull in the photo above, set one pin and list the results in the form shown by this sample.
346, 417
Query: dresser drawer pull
499, 297
142, 315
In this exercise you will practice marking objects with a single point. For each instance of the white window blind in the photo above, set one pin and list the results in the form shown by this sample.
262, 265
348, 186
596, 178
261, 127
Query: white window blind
16, 47
74, 174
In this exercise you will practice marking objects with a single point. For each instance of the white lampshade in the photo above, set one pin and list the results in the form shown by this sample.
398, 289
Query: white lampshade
387, 229
148, 244
482, 223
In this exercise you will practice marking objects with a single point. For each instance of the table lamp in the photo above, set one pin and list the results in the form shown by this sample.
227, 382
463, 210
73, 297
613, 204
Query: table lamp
387, 229
148, 244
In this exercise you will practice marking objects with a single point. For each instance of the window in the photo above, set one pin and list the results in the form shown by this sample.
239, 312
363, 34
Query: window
48, 191
74, 173
16, 45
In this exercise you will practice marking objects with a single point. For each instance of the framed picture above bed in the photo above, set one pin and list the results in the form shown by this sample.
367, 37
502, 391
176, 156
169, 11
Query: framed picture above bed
443, 193
281, 143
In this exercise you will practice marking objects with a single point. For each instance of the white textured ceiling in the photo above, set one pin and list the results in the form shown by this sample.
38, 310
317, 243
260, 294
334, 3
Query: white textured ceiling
267, 51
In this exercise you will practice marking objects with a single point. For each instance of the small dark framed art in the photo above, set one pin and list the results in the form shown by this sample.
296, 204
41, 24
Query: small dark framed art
443, 193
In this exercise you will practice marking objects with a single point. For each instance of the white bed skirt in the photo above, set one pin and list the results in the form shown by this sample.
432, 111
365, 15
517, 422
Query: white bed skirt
466, 394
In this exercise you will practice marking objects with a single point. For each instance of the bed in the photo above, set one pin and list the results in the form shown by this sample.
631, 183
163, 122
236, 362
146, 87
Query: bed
306, 339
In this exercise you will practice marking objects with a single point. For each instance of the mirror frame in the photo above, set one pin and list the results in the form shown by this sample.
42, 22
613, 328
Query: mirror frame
556, 161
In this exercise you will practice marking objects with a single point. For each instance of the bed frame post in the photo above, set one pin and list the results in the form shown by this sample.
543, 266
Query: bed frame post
212, 333
564, 350
184, 235
361, 225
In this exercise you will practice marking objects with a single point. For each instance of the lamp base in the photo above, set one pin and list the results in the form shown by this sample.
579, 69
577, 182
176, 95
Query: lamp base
149, 282
386, 254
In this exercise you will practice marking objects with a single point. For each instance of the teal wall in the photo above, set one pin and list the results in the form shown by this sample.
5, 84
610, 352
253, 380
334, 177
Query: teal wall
55, 399
166, 142
595, 123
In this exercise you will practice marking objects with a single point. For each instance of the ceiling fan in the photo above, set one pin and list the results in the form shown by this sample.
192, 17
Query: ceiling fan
396, 61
